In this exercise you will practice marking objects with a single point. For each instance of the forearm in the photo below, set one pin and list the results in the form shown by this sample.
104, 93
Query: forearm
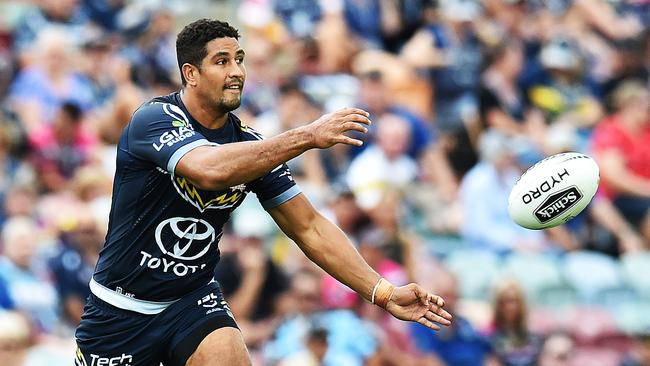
232, 164
327, 246
614, 171
627, 183
608, 216
242, 302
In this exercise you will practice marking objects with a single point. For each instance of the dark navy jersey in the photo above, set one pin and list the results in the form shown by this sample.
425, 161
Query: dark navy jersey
163, 231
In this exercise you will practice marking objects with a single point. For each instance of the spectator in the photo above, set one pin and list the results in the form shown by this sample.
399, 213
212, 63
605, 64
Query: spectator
383, 167
314, 353
126, 98
351, 340
245, 272
73, 266
15, 338
565, 95
295, 108
152, 52
502, 104
620, 146
48, 14
29, 290
640, 354
458, 344
39, 89
558, 350
61, 148
454, 71
20, 346
104, 13
483, 193
375, 97
14, 171
512, 342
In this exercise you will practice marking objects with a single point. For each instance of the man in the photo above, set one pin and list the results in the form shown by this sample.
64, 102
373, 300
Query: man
184, 164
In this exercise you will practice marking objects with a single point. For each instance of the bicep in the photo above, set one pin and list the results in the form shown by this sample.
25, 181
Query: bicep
193, 165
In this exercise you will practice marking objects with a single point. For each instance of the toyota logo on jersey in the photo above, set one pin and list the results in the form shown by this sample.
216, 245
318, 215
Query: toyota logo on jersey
190, 237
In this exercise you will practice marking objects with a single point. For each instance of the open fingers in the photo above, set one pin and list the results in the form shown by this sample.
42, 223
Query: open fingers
442, 312
353, 126
357, 118
429, 324
431, 316
352, 110
349, 141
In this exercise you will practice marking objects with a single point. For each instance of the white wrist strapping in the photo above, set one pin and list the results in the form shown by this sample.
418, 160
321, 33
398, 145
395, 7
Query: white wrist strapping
374, 290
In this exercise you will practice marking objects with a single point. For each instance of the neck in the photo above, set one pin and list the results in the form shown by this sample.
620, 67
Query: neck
207, 115
630, 123
500, 76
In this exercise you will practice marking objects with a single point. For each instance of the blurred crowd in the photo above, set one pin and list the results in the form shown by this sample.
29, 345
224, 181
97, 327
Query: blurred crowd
464, 95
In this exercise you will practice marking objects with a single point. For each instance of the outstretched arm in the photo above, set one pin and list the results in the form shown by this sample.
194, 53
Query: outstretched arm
223, 166
327, 246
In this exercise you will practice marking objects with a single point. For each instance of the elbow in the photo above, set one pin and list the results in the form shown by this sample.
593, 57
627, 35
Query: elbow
212, 182
211, 179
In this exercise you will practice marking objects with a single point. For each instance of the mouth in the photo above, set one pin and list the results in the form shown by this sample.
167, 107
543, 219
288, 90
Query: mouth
234, 87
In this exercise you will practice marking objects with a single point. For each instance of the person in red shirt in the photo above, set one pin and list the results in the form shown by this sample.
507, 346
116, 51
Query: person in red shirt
621, 146
59, 148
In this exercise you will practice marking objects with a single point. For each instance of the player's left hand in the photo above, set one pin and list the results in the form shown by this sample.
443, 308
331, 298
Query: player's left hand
413, 303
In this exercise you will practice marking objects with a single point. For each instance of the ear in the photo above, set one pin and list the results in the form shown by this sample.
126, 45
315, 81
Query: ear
191, 74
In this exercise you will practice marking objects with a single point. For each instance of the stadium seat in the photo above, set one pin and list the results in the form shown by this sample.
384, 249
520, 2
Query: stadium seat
590, 325
636, 272
593, 356
633, 317
591, 274
556, 297
475, 269
543, 320
535, 272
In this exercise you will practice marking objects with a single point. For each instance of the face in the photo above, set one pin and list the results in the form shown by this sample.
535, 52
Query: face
21, 249
513, 60
64, 128
220, 80
393, 136
306, 291
510, 303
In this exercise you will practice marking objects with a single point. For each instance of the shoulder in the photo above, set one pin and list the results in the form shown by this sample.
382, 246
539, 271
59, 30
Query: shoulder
248, 132
607, 132
160, 108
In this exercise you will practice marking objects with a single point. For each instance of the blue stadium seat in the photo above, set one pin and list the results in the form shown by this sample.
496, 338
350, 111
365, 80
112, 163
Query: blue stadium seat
636, 272
591, 274
535, 273
633, 317
475, 269
557, 297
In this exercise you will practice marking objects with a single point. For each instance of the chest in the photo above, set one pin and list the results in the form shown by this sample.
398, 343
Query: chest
203, 200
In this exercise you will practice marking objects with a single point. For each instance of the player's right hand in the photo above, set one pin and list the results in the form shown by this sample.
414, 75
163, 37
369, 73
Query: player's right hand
331, 128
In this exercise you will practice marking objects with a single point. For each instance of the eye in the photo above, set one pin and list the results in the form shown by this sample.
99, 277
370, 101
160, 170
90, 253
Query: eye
221, 61
239, 60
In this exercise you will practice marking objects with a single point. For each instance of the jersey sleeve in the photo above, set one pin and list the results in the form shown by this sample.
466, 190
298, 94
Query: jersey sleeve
161, 133
275, 188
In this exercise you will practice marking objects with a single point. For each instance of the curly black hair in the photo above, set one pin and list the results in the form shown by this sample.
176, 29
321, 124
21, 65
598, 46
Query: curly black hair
191, 41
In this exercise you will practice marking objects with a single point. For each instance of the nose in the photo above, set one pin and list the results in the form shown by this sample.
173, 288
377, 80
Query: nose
236, 70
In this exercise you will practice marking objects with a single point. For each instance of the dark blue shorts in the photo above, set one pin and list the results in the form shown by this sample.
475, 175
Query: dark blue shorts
108, 335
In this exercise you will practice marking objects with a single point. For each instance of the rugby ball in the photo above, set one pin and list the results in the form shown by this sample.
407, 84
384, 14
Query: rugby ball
553, 191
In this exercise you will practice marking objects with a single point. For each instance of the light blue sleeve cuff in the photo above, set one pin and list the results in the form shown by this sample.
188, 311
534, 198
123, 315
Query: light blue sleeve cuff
178, 154
281, 198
